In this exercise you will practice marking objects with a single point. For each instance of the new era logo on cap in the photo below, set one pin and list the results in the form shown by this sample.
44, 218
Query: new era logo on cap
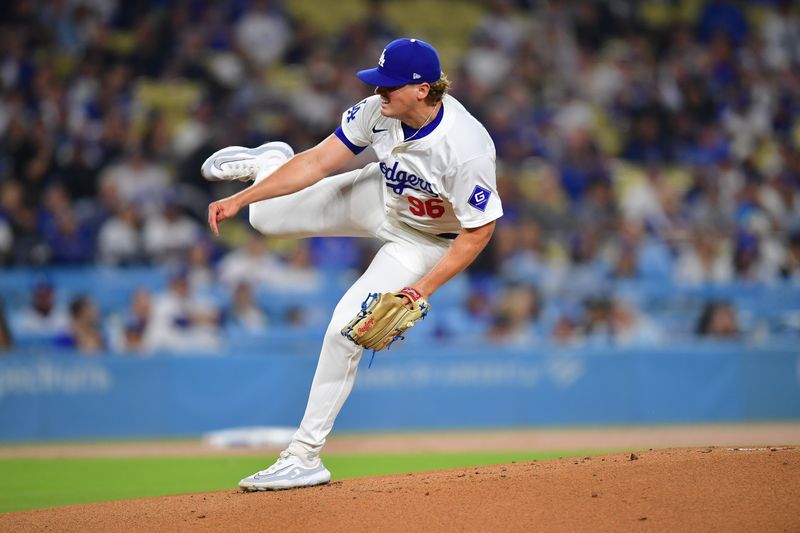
479, 198
416, 76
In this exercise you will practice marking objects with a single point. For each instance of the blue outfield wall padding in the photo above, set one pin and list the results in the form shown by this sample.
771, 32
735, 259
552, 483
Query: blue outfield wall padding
69, 396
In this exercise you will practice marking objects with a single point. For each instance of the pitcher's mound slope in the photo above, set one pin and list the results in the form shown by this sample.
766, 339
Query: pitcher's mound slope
699, 489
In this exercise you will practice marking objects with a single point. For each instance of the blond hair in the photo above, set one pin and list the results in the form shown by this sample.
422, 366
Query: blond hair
438, 89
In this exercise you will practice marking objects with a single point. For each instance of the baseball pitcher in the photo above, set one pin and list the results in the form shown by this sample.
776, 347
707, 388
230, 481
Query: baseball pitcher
431, 199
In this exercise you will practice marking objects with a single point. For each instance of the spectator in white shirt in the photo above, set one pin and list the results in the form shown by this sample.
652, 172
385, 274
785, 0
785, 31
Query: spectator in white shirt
183, 322
119, 241
168, 236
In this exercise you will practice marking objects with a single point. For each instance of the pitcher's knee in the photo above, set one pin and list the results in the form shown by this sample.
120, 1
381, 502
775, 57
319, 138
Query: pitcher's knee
258, 218
253, 218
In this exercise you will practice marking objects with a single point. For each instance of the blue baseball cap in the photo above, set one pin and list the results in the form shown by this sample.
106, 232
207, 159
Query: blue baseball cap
404, 61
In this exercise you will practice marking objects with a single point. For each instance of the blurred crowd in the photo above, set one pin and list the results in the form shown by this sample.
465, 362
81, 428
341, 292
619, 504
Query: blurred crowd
637, 141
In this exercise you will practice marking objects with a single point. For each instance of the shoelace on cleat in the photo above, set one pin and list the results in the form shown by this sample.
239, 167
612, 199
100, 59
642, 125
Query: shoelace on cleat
240, 169
280, 463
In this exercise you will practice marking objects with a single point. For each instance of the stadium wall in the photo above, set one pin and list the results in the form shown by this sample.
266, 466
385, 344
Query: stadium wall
73, 397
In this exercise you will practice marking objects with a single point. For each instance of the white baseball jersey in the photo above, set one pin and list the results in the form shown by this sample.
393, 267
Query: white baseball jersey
439, 183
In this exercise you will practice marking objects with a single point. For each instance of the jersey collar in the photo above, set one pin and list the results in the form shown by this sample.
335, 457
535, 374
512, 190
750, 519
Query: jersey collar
408, 131
440, 126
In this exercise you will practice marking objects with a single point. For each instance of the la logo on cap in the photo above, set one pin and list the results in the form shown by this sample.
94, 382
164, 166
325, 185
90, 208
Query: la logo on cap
382, 59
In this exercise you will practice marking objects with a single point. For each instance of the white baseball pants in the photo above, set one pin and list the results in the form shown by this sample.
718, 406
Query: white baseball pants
349, 204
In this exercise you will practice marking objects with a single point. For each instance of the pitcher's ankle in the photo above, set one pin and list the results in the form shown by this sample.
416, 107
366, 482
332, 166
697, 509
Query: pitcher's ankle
308, 457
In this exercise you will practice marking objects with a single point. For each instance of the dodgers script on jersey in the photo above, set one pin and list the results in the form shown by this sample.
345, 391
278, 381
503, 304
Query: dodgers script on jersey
439, 183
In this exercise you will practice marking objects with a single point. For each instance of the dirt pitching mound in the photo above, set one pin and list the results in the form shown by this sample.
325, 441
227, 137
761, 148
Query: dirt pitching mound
698, 489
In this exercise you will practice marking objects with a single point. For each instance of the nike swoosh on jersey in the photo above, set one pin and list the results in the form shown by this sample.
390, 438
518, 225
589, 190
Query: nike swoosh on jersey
376, 130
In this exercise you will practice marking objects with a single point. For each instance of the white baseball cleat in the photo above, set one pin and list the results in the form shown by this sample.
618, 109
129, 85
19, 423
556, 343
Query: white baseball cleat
288, 472
242, 163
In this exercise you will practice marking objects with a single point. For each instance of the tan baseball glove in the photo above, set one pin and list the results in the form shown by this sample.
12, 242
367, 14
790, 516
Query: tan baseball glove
384, 318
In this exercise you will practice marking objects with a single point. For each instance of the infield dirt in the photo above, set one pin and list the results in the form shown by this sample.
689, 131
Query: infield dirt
686, 489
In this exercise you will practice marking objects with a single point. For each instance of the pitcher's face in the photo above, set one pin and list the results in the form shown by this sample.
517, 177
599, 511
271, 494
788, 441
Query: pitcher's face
399, 102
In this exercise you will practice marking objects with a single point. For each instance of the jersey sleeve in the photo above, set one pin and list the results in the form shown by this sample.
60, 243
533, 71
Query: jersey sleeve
473, 192
354, 130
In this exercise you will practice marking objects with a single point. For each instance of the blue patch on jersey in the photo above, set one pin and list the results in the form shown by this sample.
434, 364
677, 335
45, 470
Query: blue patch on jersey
479, 198
351, 113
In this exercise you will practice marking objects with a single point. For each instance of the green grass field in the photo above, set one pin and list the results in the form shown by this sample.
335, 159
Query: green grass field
37, 483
